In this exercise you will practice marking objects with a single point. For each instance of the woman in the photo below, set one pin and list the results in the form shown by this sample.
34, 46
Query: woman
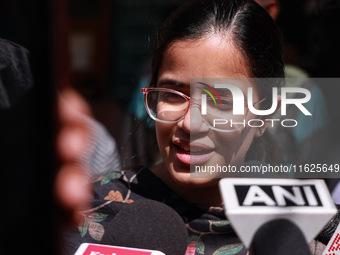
202, 39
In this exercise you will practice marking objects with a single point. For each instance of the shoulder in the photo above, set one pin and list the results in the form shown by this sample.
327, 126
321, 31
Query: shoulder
112, 193
135, 184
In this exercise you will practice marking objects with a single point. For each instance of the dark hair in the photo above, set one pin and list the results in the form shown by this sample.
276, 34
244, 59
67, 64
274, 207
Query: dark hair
250, 27
252, 30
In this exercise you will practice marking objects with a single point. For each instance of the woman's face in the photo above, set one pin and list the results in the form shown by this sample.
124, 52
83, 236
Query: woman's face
209, 57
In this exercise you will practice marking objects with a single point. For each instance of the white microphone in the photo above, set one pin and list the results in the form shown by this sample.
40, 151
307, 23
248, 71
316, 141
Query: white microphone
253, 203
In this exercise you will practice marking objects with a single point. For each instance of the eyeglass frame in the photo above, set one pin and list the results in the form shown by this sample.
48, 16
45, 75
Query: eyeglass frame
148, 89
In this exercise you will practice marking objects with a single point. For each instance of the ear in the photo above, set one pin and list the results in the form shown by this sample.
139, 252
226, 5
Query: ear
260, 130
271, 6
274, 9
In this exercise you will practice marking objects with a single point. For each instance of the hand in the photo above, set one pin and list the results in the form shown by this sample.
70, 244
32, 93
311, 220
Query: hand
71, 185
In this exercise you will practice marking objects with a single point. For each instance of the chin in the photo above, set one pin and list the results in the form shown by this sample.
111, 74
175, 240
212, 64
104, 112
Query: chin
185, 179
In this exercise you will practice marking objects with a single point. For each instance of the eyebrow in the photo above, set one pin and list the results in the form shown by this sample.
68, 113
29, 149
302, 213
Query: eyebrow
225, 92
171, 82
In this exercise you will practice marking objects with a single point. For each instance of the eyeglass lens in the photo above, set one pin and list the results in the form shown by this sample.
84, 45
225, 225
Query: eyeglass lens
170, 107
166, 106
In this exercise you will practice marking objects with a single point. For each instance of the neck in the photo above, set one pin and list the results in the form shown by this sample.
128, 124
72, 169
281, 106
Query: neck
196, 193
202, 196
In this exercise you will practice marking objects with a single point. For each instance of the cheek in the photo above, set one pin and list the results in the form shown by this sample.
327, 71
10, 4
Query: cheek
247, 139
227, 145
234, 146
164, 133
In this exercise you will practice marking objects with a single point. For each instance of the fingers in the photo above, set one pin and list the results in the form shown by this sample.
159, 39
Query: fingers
72, 190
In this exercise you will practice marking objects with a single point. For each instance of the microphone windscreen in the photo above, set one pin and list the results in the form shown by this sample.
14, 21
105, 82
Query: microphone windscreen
148, 224
279, 237
327, 232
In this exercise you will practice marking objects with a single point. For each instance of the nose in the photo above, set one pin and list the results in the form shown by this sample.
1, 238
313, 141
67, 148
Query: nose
193, 122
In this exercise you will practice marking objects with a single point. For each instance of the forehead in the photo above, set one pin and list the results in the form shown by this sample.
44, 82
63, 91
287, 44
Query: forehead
209, 57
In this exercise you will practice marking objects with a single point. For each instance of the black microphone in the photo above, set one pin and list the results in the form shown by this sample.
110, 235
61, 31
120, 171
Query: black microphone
327, 232
148, 224
279, 237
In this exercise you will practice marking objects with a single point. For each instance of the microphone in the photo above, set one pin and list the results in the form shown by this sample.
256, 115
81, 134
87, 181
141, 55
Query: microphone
304, 205
99, 249
148, 224
280, 231
330, 235
327, 232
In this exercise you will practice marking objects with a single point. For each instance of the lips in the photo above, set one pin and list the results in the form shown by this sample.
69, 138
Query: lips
192, 153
